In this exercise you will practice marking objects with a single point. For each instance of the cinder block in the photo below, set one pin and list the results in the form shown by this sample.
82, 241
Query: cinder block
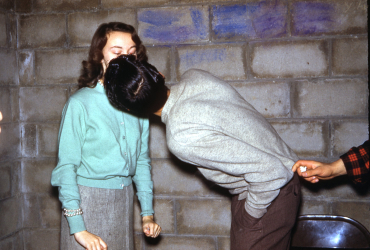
163, 215
7, 4
289, 59
59, 66
3, 31
271, 99
172, 177
48, 140
138, 238
42, 31
258, 19
356, 210
50, 239
82, 25
9, 107
350, 56
183, 243
12, 30
10, 141
317, 191
5, 182
11, 217
26, 68
8, 67
50, 211
14, 93
133, 3
160, 57
314, 207
65, 5
31, 211
7, 243
348, 134
9, 179
5, 104
174, 24
304, 138
18, 242
224, 61
29, 140
203, 217
223, 243
342, 189
328, 17
333, 97
73, 89
24, 6
42, 103
36, 175
201, 1
157, 139
13, 242
16, 176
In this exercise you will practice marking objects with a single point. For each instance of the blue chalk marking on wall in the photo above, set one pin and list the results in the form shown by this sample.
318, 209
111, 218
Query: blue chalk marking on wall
167, 25
198, 21
314, 17
260, 20
159, 18
270, 22
193, 58
229, 20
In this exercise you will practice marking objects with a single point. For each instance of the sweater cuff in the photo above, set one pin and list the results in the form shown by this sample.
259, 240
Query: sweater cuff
76, 224
256, 213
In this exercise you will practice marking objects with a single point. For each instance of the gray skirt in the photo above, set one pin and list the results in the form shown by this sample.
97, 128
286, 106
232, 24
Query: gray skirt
107, 213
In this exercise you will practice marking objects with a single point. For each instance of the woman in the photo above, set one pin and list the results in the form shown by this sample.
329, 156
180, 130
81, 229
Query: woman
101, 151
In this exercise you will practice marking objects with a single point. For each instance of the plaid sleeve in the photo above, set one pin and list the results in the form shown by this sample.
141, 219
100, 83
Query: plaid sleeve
356, 161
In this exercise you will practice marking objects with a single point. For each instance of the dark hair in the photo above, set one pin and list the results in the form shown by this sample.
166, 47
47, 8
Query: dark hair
92, 69
133, 86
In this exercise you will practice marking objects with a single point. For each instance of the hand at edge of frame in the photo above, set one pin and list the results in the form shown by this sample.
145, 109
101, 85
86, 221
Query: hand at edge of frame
318, 170
90, 241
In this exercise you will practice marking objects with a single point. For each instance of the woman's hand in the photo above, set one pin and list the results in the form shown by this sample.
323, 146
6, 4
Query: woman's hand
150, 228
90, 241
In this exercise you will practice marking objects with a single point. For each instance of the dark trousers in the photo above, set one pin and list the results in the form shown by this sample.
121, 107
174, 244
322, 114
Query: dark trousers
273, 230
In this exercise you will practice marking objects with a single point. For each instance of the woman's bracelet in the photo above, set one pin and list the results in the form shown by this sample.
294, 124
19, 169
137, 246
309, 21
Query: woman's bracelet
72, 212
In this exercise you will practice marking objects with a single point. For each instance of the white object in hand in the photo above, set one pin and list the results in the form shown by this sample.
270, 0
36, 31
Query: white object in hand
303, 169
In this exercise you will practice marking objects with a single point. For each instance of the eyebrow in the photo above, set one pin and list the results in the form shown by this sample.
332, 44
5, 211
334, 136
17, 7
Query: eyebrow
119, 47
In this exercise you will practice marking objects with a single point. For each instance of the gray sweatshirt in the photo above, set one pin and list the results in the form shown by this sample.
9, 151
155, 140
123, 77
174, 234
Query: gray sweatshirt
210, 125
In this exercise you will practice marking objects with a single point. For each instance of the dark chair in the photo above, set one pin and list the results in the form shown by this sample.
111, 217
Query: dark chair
328, 232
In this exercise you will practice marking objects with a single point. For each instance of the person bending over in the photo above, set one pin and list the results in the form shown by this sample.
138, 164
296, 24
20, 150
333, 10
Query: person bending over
210, 125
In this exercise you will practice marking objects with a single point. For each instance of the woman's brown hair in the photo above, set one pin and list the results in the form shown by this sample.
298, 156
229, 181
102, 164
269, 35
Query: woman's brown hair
92, 69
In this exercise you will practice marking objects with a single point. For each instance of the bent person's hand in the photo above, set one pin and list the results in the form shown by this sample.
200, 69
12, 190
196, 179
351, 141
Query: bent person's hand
150, 228
318, 170
90, 241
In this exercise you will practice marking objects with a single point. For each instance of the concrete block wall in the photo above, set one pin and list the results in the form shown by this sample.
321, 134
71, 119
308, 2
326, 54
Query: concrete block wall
301, 63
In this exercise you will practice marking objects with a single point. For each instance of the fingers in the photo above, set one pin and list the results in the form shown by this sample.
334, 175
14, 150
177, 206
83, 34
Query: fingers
304, 163
103, 244
90, 241
152, 229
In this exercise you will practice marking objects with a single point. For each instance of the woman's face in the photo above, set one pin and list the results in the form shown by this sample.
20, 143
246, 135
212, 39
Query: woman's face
118, 43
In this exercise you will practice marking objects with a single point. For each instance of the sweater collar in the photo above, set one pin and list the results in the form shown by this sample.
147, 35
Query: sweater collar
99, 88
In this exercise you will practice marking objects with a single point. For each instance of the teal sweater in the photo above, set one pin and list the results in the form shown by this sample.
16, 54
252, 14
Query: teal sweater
101, 147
